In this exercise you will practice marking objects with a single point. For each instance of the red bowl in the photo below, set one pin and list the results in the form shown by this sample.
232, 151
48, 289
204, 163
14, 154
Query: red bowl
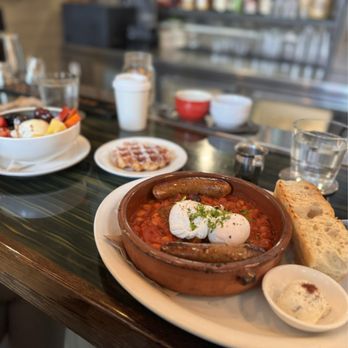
192, 105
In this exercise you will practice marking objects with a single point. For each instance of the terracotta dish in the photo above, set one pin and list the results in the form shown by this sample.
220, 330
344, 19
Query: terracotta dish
201, 278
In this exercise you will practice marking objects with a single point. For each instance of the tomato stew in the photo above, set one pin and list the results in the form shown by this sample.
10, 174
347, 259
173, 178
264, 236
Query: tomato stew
151, 223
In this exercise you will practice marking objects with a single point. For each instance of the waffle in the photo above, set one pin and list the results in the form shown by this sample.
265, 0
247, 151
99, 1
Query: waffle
139, 157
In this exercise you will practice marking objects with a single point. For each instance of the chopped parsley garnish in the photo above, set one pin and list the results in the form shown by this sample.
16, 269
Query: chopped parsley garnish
215, 216
246, 214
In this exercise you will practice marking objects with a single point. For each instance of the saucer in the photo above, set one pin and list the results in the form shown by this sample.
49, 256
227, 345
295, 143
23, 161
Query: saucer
76, 153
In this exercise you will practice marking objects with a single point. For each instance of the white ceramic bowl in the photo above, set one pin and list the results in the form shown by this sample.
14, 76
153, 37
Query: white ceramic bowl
40, 148
275, 281
230, 110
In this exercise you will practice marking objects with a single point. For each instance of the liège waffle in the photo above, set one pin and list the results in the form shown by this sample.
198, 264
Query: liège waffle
139, 157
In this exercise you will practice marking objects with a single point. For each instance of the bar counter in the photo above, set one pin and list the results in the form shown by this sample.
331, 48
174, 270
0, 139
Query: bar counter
48, 253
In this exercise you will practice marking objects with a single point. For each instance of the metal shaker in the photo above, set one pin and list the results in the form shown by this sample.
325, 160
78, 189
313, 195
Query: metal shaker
249, 160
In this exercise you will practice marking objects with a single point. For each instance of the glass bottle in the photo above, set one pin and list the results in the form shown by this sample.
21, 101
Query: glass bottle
265, 7
250, 7
187, 5
304, 8
320, 9
202, 5
141, 63
235, 5
220, 5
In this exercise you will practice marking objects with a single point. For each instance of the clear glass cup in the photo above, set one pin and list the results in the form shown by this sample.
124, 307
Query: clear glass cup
6, 76
13, 54
35, 70
317, 151
141, 63
59, 89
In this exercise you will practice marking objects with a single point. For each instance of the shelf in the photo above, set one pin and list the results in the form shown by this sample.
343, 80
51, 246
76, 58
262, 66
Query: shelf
254, 57
230, 17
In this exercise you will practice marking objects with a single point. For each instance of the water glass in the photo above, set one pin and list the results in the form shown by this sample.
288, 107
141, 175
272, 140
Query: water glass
35, 70
317, 151
5, 74
59, 89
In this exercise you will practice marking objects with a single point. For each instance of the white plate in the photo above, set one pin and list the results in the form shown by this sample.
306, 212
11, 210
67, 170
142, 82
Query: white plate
76, 153
244, 320
278, 278
102, 157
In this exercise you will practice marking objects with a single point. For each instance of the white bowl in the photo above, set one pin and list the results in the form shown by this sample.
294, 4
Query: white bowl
230, 110
40, 148
275, 281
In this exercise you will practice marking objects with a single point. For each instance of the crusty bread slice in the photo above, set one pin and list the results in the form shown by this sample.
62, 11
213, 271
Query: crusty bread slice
320, 240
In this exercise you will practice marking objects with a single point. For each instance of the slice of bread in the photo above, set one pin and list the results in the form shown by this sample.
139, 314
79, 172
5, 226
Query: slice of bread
320, 240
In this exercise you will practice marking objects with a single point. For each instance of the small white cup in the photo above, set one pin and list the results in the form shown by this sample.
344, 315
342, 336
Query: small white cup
230, 110
132, 98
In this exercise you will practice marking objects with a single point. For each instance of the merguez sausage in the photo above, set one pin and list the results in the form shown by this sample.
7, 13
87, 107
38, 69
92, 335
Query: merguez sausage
212, 253
211, 187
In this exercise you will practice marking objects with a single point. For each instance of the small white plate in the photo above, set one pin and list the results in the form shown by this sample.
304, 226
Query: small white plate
102, 157
76, 153
275, 281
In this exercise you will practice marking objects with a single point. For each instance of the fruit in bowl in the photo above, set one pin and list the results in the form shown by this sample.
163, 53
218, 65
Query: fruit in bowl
36, 134
203, 234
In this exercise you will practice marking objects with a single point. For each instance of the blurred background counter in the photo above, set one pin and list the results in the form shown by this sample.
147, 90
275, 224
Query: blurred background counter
288, 56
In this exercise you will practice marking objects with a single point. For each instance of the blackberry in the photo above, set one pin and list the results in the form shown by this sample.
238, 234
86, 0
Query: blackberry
43, 114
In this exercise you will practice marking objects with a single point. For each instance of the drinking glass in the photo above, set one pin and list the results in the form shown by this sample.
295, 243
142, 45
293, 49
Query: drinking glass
35, 70
317, 151
59, 89
13, 53
5, 74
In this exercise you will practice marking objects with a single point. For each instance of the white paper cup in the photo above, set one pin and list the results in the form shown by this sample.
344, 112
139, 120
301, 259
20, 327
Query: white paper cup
132, 98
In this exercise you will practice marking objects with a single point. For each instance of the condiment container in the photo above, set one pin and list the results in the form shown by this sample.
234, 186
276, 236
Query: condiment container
249, 160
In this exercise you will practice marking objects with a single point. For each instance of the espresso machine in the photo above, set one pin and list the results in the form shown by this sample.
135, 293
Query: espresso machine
142, 34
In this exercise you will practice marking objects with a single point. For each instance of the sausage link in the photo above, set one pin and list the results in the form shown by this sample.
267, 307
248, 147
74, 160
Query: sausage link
212, 187
212, 253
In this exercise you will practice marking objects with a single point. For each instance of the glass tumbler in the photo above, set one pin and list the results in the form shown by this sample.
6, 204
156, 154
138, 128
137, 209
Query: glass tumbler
59, 89
141, 63
317, 151
35, 70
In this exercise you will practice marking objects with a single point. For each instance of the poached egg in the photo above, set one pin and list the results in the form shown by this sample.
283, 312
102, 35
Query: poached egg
180, 224
189, 219
234, 231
